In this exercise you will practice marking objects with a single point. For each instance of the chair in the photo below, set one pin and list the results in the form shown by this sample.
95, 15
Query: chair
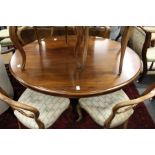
5, 85
125, 32
27, 34
152, 30
33, 109
5, 41
140, 42
4, 33
114, 109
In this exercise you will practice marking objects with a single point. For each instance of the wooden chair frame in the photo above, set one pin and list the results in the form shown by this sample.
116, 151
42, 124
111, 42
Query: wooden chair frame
17, 44
146, 45
124, 41
20, 107
82, 33
127, 105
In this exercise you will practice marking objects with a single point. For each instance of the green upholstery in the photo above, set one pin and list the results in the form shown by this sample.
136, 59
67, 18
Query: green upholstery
6, 42
4, 33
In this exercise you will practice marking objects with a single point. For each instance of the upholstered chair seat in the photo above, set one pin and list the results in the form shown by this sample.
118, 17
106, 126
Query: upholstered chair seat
50, 108
153, 36
33, 109
100, 108
6, 42
150, 54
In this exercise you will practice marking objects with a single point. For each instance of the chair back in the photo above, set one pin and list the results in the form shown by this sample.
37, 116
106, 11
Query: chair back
137, 40
5, 84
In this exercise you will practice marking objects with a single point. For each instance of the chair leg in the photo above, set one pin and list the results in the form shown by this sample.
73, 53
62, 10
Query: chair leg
119, 35
37, 35
150, 68
144, 72
19, 125
66, 34
141, 78
69, 114
78, 108
153, 43
125, 125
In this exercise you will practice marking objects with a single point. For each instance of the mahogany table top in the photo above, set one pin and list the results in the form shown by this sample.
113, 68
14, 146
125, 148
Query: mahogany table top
51, 68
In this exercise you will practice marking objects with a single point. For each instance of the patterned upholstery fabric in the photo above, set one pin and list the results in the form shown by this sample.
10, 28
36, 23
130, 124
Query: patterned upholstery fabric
151, 54
5, 84
153, 36
50, 108
6, 42
4, 33
149, 28
137, 39
100, 108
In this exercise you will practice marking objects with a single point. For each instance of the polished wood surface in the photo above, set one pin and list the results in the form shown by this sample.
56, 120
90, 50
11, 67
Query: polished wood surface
17, 44
124, 42
51, 68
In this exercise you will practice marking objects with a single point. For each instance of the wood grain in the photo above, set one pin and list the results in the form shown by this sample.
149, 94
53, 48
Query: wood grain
51, 68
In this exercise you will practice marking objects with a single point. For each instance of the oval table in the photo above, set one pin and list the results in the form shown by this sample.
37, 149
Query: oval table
51, 67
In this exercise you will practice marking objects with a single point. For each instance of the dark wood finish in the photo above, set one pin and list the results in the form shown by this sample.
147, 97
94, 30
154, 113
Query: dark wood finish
18, 45
66, 33
81, 47
144, 52
124, 41
37, 35
51, 68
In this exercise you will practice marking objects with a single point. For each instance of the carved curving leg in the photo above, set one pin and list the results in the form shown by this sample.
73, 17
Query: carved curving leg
37, 35
78, 108
125, 125
19, 125
17, 44
124, 42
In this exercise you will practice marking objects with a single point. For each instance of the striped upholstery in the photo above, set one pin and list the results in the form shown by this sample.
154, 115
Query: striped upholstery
137, 40
100, 107
50, 108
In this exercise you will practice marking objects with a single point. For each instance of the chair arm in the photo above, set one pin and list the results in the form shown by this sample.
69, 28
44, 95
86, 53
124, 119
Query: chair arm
149, 93
148, 29
18, 105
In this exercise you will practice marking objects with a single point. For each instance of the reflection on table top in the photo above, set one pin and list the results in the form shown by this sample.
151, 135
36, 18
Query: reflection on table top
51, 67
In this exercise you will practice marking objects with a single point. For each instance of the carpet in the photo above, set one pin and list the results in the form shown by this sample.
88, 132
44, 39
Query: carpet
139, 120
